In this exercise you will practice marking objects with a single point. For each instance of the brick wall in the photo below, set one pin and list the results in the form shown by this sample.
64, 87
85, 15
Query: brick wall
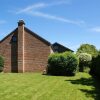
36, 53
9, 51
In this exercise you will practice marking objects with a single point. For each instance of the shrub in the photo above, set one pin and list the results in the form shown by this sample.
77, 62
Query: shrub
62, 64
84, 62
71, 63
95, 69
56, 64
1, 63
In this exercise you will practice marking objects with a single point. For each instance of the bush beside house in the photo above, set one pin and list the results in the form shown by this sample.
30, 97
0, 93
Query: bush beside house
62, 64
1, 63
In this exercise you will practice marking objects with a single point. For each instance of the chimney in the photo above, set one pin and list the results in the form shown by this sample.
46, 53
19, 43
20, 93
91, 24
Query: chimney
21, 46
21, 23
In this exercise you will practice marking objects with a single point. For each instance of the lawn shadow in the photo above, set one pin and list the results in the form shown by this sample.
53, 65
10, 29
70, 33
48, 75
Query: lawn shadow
94, 82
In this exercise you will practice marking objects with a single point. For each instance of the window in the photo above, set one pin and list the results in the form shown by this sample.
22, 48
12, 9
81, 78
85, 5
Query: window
14, 39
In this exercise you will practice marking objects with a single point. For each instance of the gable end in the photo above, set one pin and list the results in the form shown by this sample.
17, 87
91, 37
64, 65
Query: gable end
37, 36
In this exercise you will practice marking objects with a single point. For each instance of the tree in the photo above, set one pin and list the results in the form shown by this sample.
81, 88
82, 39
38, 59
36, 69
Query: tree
88, 48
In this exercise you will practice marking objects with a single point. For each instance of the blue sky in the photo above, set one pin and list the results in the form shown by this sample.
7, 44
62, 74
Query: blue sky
69, 22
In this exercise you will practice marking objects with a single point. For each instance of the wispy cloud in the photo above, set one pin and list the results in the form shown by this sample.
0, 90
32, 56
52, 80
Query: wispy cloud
53, 17
2, 21
31, 7
33, 11
95, 29
59, 3
40, 5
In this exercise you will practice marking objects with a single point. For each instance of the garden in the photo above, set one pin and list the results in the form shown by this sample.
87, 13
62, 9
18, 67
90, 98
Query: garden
69, 76
86, 59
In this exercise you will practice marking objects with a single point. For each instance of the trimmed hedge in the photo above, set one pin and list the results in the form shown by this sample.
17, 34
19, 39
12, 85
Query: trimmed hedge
62, 64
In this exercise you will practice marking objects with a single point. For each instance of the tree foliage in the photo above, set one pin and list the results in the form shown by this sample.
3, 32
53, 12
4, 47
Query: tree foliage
85, 57
87, 48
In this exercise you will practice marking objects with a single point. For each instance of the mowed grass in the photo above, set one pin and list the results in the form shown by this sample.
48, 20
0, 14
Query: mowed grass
35, 86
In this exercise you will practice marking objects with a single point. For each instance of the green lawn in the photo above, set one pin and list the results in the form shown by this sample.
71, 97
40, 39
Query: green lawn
34, 86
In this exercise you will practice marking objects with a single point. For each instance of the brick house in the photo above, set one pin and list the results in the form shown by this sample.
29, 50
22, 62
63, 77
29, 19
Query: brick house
25, 51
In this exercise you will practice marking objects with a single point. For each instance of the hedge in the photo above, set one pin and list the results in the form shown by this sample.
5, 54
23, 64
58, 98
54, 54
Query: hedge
62, 64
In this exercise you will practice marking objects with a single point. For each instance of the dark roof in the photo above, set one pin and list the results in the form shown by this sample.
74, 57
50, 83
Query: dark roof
28, 30
60, 45
8, 35
37, 36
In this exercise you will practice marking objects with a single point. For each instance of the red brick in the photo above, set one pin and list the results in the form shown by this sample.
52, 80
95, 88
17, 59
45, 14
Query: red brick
29, 54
